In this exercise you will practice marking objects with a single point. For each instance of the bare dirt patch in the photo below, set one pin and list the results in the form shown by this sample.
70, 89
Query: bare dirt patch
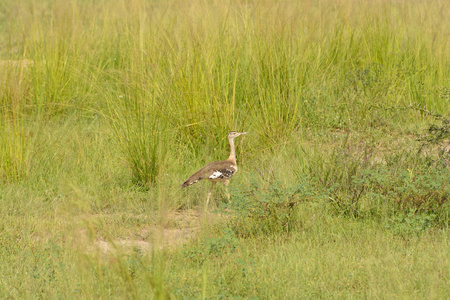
172, 230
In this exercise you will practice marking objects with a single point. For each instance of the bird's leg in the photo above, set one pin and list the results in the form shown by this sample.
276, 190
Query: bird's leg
226, 189
213, 183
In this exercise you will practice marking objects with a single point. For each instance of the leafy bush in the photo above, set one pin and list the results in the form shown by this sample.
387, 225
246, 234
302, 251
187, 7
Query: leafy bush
259, 210
215, 246
377, 190
401, 182
411, 223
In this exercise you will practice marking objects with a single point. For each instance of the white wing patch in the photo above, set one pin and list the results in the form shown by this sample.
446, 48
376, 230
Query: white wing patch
216, 175
223, 173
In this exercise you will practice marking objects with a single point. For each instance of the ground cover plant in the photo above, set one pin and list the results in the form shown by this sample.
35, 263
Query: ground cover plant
344, 176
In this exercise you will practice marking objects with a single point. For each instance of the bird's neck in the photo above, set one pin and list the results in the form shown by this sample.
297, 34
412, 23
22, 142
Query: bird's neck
232, 156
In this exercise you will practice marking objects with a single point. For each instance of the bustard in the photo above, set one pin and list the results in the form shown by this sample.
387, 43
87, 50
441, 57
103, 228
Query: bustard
217, 171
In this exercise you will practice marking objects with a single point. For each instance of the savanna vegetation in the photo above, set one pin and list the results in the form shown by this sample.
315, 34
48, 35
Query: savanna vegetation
343, 188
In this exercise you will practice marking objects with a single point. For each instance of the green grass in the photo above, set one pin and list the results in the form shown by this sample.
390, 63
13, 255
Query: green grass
344, 176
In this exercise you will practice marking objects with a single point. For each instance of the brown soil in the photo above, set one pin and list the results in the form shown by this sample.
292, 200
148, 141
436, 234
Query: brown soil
175, 229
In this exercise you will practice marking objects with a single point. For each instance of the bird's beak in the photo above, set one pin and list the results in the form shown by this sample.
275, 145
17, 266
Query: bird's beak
243, 132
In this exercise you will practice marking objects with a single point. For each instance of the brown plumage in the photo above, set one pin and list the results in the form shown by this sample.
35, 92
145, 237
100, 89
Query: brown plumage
217, 171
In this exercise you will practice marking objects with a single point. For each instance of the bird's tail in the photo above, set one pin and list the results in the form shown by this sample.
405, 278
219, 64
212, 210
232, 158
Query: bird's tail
184, 184
190, 181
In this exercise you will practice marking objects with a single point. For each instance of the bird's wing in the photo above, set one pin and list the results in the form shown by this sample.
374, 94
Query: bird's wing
216, 170
221, 170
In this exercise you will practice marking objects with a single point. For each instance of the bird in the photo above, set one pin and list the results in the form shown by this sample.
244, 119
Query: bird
217, 171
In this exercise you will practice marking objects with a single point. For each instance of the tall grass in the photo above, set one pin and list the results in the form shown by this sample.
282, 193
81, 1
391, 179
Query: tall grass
272, 67
342, 190
15, 143
140, 135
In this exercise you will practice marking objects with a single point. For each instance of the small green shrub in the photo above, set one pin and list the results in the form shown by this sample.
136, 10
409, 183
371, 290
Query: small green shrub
377, 190
411, 223
399, 182
224, 244
259, 210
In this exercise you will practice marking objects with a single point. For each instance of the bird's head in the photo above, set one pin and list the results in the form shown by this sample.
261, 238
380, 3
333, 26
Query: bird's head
235, 134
